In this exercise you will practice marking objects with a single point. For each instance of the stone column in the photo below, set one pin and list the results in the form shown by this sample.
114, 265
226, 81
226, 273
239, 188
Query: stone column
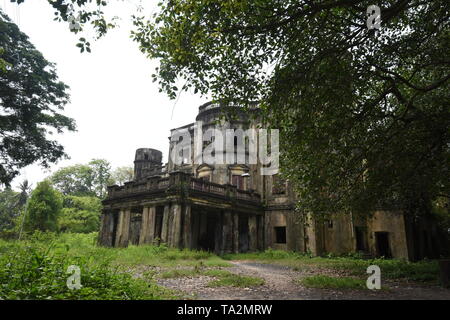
151, 225
218, 235
148, 225
252, 233
119, 229
227, 232
144, 225
268, 241
235, 232
260, 220
125, 228
165, 224
175, 226
104, 228
187, 227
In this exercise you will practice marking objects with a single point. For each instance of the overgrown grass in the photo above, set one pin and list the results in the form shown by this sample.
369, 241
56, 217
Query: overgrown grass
34, 272
425, 271
224, 277
194, 272
234, 280
36, 268
327, 282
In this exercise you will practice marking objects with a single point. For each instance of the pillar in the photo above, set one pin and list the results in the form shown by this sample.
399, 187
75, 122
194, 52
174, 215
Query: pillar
260, 226
268, 237
123, 229
235, 232
165, 224
252, 233
126, 228
119, 229
175, 225
187, 227
147, 234
227, 232
144, 225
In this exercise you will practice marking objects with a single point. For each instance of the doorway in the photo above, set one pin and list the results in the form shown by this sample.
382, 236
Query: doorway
382, 243
361, 239
115, 221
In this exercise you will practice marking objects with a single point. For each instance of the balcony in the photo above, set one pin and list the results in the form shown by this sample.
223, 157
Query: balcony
183, 184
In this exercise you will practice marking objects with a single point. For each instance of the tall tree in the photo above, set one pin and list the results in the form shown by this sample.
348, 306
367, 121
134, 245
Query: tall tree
31, 98
43, 208
74, 180
101, 173
83, 179
121, 175
80, 214
363, 113
8, 209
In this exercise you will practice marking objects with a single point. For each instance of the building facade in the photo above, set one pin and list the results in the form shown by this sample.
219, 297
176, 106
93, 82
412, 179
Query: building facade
231, 207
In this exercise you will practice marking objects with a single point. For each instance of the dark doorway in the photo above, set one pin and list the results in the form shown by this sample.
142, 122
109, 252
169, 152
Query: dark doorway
361, 239
115, 221
280, 234
206, 239
158, 222
383, 247
243, 234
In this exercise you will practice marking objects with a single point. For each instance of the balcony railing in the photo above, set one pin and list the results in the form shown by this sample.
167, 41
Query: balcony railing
177, 178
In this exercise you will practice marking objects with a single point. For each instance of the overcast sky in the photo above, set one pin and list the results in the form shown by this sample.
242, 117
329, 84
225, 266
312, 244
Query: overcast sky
116, 106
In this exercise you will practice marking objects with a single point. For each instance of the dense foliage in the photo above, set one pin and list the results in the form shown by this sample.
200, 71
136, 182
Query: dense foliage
363, 114
80, 214
37, 269
83, 179
31, 99
43, 208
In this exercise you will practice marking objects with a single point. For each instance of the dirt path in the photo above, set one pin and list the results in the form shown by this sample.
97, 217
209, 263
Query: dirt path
281, 284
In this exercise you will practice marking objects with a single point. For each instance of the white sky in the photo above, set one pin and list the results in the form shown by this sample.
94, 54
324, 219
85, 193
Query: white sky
115, 104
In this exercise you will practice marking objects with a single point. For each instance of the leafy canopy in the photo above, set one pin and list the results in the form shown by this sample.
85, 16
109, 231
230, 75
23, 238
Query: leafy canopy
80, 214
83, 179
31, 99
363, 114
43, 208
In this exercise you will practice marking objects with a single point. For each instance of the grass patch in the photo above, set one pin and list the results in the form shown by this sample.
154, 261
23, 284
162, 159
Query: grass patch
34, 272
234, 280
36, 268
326, 282
422, 271
224, 277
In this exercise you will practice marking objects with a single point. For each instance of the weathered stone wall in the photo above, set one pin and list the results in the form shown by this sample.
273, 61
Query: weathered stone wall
392, 222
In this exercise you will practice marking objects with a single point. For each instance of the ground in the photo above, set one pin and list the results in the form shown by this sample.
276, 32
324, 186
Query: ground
281, 283
36, 268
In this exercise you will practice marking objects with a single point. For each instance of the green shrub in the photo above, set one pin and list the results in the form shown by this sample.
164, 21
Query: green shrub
327, 282
32, 272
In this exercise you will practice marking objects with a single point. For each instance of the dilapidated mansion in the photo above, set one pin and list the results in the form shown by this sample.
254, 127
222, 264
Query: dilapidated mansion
234, 208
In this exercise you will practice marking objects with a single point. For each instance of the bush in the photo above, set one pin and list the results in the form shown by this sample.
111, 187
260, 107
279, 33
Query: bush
31, 272
326, 282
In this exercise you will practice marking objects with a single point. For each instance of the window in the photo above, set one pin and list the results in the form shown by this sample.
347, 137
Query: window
238, 181
280, 234
278, 185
